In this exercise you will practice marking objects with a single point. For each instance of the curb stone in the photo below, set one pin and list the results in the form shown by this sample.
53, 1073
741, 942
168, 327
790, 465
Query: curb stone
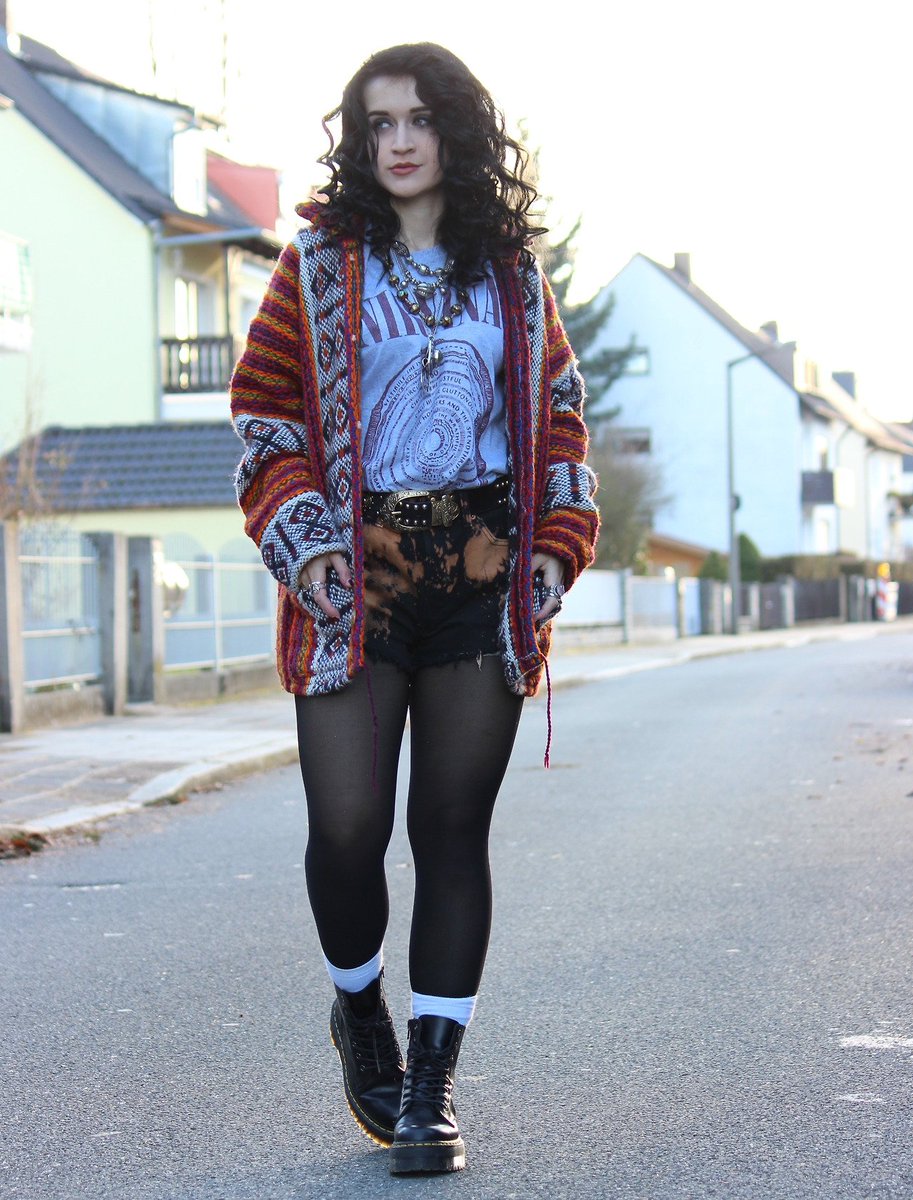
170, 787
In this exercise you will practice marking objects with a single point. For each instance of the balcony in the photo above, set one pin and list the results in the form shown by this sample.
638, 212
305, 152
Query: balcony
197, 364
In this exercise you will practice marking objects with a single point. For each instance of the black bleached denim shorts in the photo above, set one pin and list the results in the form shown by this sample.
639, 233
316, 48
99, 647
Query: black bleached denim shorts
435, 595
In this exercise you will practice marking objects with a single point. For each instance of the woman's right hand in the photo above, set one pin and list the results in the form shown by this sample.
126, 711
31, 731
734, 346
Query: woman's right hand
315, 572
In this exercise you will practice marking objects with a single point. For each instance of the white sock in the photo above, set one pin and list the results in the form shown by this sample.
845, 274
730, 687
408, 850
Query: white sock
457, 1008
353, 979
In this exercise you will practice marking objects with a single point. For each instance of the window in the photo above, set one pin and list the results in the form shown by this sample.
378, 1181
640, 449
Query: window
186, 308
622, 441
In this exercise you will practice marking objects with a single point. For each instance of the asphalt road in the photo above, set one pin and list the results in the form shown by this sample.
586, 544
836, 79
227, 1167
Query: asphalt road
698, 985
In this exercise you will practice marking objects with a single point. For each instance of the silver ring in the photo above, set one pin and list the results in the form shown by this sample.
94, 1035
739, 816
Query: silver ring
317, 586
557, 591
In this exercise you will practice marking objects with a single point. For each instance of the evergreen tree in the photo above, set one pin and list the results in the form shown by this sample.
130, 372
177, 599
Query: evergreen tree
630, 488
749, 560
715, 566
584, 322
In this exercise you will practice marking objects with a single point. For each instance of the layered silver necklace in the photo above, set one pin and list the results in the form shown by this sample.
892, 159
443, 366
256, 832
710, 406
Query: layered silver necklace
433, 282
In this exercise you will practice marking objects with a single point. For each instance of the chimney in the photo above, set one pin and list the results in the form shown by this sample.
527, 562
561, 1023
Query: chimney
9, 39
847, 380
683, 266
770, 328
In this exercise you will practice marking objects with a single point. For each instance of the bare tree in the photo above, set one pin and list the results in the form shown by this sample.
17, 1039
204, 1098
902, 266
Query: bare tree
31, 473
629, 496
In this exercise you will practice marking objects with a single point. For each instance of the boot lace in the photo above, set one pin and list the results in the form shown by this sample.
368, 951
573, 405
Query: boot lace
428, 1078
373, 1041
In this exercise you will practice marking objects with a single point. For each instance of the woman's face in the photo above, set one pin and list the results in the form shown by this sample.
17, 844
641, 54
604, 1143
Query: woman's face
406, 162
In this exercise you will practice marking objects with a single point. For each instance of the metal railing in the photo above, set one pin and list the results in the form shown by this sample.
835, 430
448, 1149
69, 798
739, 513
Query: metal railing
60, 611
197, 364
222, 614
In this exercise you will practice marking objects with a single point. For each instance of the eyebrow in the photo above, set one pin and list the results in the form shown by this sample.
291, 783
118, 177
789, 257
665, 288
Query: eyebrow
383, 112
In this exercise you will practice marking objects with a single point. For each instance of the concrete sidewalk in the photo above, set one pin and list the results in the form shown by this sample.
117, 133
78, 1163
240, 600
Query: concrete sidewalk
66, 777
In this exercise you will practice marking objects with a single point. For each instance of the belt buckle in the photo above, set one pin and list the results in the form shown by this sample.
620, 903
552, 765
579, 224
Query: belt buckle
392, 509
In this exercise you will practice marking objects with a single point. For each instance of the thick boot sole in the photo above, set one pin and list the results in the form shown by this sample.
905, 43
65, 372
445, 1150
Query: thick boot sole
426, 1158
377, 1134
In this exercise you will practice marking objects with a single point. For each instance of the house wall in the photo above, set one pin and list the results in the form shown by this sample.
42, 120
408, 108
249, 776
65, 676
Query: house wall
849, 453
212, 528
682, 400
91, 360
819, 523
885, 476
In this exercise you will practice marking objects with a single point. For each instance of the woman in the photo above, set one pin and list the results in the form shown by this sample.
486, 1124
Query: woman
414, 478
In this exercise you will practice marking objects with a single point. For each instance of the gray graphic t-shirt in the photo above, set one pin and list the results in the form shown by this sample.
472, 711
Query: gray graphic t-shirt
453, 434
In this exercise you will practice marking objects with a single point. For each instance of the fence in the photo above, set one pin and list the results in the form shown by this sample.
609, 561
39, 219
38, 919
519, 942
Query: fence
221, 610
818, 599
91, 621
647, 606
61, 626
101, 618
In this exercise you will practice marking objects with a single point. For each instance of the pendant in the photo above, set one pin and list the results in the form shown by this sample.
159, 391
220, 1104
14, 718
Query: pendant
431, 360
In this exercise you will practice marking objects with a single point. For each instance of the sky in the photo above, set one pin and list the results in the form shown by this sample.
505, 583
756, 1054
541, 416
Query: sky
770, 140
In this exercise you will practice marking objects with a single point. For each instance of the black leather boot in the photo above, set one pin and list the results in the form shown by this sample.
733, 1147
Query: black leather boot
372, 1064
427, 1137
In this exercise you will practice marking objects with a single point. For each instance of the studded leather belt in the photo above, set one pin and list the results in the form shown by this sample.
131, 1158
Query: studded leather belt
407, 511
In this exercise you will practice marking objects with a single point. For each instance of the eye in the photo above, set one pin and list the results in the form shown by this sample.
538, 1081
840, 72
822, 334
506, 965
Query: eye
424, 121
380, 123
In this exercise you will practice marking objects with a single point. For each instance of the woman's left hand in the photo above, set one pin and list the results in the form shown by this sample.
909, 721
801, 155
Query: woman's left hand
552, 577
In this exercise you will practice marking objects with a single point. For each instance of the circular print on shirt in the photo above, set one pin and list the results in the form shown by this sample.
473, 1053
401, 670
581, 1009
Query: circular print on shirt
431, 440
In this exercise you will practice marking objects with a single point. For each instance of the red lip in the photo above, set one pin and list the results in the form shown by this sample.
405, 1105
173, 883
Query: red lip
404, 168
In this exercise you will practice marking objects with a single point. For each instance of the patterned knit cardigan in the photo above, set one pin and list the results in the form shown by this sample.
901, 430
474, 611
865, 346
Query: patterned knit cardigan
295, 399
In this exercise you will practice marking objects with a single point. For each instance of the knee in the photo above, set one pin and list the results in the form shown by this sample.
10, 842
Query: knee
447, 830
349, 845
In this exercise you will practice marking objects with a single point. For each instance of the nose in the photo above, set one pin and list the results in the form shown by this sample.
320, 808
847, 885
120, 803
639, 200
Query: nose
402, 139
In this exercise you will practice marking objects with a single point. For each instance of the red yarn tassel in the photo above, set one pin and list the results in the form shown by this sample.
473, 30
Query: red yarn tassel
548, 713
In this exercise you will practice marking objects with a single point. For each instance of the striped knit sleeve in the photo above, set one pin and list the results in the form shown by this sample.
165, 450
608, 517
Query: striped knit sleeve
568, 518
277, 482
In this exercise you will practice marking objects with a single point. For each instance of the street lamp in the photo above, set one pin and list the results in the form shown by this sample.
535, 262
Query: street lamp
735, 575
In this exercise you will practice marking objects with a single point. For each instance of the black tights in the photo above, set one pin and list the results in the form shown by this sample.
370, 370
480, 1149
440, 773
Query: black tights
463, 721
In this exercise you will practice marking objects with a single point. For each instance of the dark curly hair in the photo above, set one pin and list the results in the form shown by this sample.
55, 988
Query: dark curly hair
486, 201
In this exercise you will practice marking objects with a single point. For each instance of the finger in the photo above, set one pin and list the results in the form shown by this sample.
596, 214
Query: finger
341, 567
538, 565
552, 571
552, 568
323, 601
549, 605
316, 571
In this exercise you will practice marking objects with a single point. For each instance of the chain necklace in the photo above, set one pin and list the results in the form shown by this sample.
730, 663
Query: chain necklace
435, 281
